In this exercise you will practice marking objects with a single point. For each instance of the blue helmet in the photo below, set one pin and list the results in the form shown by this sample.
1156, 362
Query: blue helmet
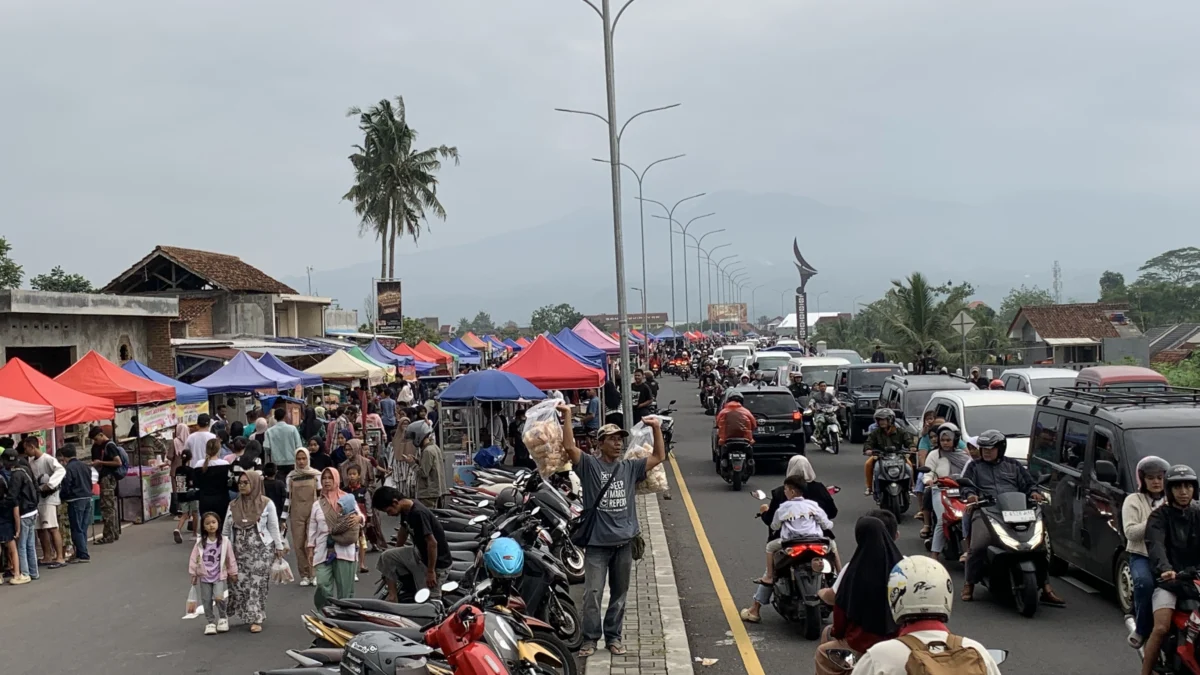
504, 557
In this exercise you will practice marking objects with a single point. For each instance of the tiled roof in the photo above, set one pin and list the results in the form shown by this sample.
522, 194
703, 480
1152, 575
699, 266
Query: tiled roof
227, 272
1171, 337
1171, 356
1085, 320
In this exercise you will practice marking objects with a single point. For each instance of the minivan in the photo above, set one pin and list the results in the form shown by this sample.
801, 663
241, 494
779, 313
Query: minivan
1124, 377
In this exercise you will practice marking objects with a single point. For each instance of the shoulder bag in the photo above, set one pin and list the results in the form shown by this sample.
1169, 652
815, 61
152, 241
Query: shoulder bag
581, 531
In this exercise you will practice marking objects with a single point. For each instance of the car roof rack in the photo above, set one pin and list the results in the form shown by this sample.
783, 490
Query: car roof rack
1133, 395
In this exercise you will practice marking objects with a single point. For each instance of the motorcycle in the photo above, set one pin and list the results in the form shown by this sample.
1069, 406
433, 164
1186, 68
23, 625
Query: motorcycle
893, 481
1178, 653
801, 571
736, 462
954, 509
708, 399
827, 415
1016, 558
668, 424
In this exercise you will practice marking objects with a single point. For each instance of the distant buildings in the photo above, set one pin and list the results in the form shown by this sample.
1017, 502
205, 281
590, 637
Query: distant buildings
1079, 333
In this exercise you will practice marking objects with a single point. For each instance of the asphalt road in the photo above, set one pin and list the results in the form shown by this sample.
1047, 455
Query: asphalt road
1085, 638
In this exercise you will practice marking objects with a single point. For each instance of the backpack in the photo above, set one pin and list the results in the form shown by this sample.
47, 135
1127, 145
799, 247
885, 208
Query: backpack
952, 658
123, 470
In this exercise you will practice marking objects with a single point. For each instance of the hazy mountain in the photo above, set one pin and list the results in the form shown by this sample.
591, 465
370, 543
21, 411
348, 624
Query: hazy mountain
995, 245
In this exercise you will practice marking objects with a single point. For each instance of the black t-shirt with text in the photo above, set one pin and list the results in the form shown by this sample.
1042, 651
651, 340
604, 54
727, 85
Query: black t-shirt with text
421, 522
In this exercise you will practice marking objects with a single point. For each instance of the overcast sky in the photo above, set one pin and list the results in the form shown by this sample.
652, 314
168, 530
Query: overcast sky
221, 124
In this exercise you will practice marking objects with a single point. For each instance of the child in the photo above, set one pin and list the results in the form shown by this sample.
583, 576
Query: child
273, 488
796, 518
358, 491
10, 529
213, 567
184, 488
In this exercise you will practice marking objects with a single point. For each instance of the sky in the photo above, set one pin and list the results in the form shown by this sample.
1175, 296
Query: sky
222, 125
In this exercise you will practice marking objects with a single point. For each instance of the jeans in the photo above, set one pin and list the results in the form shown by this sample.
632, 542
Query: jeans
939, 537
763, 594
214, 609
27, 547
79, 512
1143, 589
614, 565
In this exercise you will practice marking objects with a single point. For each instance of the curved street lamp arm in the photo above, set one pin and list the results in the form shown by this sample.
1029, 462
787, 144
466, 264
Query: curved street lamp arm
583, 112
619, 12
665, 107
595, 8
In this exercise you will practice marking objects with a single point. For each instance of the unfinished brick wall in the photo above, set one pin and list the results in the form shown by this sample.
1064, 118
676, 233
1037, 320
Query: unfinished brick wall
161, 356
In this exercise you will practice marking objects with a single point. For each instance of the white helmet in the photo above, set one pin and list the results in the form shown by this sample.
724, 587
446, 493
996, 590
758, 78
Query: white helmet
919, 587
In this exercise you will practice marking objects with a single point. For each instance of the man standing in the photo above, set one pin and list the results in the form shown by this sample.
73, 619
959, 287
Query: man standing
281, 441
48, 474
76, 492
645, 397
221, 422
107, 459
591, 411
877, 356
21, 488
387, 414
427, 561
198, 440
978, 380
608, 493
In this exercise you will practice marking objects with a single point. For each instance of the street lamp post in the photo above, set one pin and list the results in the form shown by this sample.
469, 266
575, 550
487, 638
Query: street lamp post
819, 300
699, 288
854, 306
753, 305
671, 243
782, 303
720, 282
733, 270
644, 329
687, 315
708, 260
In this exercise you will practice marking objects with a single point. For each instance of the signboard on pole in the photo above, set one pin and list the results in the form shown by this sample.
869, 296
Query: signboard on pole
388, 316
802, 316
156, 418
963, 323
731, 312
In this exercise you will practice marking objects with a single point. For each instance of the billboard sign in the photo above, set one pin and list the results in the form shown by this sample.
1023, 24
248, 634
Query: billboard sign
733, 312
388, 316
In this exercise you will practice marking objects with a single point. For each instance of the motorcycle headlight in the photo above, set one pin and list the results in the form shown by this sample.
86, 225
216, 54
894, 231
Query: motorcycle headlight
863, 403
893, 472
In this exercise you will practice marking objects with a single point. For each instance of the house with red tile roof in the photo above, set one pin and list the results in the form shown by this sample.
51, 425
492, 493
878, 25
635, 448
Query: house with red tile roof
1080, 333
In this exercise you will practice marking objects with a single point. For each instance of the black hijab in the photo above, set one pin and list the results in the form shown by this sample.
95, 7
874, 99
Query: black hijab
862, 594
311, 426
253, 456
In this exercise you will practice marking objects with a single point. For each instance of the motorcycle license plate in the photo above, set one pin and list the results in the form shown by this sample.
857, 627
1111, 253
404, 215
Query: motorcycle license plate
1025, 516
952, 492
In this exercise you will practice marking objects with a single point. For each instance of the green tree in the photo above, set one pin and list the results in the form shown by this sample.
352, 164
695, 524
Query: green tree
59, 281
1022, 296
920, 315
483, 324
10, 272
509, 331
395, 185
1177, 266
1112, 287
554, 318
413, 331
463, 326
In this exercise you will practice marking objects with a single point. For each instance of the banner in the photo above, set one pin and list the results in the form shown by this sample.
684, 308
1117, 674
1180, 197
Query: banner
156, 418
734, 312
388, 317
802, 316
188, 412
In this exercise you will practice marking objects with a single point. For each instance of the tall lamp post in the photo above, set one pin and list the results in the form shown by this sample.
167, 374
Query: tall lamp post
604, 11
782, 302
671, 243
708, 260
699, 288
643, 294
819, 300
730, 271
687, 315
642, 220
720, 281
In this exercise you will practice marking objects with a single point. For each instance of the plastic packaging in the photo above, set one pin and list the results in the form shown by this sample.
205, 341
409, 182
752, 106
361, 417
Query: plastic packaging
641, 445
193, 609
543, 437
281, 572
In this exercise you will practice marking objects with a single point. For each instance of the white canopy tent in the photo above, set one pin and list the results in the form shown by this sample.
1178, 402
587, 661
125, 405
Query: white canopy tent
788, 325
341, 366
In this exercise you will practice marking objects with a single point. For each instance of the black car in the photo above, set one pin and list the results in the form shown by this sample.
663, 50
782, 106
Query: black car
780, 432
908, 395
858, 386
1089, 442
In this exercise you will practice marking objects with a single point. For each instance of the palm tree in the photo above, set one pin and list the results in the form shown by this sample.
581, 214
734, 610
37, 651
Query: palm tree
395, 186
921, 316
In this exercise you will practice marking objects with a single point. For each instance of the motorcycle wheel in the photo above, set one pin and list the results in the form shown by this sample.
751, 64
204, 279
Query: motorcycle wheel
1025, 592
896, 507
737, 481
572, 559
812, 622
553, 644
834, 443
564, 616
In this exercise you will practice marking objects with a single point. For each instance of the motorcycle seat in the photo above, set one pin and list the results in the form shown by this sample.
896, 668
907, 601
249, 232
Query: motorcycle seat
356, 627
452, 537
405, 609
806, 540
462, 556
463, 545
325, 657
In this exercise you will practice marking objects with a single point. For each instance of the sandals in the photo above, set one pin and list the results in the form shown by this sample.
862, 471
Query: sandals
763, 582
616, 648
926, 532
255, 628
748, 617
587, 649
968, 593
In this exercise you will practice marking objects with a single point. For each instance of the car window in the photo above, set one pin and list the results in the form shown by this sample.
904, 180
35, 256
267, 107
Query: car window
1102, 442
1074, 444
1044, 446
915, 403
943, 408
1011, 382
951, 416
770, 404
873, 378
1010, 420
772, 362
1042, 386
814, 374
1177, 445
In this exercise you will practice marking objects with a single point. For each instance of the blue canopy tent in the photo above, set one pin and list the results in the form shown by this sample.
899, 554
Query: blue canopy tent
184, 392
634, 338
383, 355
471, 359
667, 333
307, 379
464, 347
244, 374
573, 344
590, 362
500, 346
513, 343
490, 385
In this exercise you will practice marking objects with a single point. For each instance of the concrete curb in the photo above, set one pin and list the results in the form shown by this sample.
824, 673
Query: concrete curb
679, 654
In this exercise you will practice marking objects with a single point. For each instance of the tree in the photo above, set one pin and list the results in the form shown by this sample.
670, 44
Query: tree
395, 185
483, 324
464, 326
509, 331
413, 331
1177, 266
762, 322
1112, 287
1022, 296
554, 318
60, 282
10, 272
921, 313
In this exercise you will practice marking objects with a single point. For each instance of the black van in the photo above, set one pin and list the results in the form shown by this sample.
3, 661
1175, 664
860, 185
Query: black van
1090, 442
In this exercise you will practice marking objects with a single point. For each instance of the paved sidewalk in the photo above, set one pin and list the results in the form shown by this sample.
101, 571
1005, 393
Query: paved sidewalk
654, 631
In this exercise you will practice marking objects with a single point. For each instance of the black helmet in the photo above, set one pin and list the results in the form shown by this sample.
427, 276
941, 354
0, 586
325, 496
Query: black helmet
952, 428
735, 396
885, 414
1150, 464
1181, 473
508, 499
993, 439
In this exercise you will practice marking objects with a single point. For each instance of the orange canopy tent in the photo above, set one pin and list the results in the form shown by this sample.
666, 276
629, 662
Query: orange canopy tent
18, 380
549, 367
404, 350
523, 342
474, 342
96, 375
430, 354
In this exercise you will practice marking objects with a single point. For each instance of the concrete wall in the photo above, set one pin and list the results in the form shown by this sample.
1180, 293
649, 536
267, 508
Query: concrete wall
300, 319
343, 319
250, 314
1116, 349
105, 334
93, 304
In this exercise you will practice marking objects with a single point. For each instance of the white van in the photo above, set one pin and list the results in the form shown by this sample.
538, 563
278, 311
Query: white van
814, 369
729, 351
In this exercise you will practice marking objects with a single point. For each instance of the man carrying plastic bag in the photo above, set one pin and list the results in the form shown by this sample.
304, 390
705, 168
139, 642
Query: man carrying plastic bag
641, 446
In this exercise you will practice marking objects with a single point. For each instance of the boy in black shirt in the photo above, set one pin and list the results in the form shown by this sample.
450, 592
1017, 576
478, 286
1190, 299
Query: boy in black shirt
273, 488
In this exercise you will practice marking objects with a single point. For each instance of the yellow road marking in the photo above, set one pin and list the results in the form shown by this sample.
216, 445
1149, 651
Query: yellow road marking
749, 656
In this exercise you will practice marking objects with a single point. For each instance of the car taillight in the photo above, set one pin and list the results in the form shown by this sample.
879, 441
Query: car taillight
818, 549
797, 415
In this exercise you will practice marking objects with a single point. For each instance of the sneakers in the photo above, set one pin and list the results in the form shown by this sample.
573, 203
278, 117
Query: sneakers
178, 537
1134, 639
356, 577
304, 581
222, 625
20, 579
210, 629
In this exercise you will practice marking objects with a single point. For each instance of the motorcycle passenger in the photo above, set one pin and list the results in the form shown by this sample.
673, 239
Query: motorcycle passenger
950, 459
928, 441
993, 475
885, 435
708, 378
735, 422
1135, 512
796, 518
1173, 541
923, 595
862, 615
821, 397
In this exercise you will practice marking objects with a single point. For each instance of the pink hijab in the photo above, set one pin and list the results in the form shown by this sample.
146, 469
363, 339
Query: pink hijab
336, 493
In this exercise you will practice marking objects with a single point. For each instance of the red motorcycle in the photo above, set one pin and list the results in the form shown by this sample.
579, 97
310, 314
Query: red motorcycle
1178, 653
460, 639
954, 509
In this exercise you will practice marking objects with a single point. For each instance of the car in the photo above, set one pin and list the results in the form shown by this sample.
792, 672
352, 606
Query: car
1038, 381
809, 370
769, 363
738, 363
976, 411
729, 351
848, 354
908, 394
780, 432
1088, 444
1123, 377
858, 386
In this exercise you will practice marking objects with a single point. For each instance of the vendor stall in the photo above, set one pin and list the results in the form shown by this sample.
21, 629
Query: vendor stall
306, 379
598, 338
17, 417
341, 366
513, 344
190, 401
523, 342
389, 370
460, 416
581, 350
244, 374
464, 355
432, 354
422, 364
548, 367
405, 365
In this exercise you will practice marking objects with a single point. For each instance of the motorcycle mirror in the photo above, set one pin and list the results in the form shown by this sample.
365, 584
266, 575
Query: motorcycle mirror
478, 519
450, 587
495, 535
536, 510
422, 596
843, 659
671, 403
998, 655
482, 503
759, 494
483, 586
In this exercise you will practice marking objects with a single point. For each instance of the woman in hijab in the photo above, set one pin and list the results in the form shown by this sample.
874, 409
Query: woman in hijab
338, 451
356, 457
948, 459
179, 443
303, 486
311, 427
334, 563
253, 527
861, 613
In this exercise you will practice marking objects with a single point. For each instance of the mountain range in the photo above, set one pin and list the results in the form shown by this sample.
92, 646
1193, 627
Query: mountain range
857, 250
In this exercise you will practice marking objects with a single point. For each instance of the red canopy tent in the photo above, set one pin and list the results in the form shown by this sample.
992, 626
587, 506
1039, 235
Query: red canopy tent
549, 367
18, 380
17, 417
96, 375
523, 342
430, 354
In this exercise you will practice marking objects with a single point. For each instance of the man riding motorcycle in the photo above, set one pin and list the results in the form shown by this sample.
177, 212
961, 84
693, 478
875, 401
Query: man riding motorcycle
735, 422
820, 398
993, 475
1173, 541
885, 435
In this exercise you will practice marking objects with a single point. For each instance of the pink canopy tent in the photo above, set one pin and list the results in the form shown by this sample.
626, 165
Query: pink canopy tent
18, 417
598, 338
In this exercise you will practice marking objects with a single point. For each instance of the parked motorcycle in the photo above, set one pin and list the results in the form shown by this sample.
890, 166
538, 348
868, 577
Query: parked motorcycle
668, 424
893, 481
735, 463
1016, 558
827, 416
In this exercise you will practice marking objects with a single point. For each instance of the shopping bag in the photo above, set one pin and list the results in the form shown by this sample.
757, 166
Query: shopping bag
543, 438
641, 445
281, 572
193, 608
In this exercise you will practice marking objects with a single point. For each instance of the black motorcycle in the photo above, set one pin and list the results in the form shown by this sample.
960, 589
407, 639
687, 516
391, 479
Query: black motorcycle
801, 571
735, 463
1016, 556
893, 480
